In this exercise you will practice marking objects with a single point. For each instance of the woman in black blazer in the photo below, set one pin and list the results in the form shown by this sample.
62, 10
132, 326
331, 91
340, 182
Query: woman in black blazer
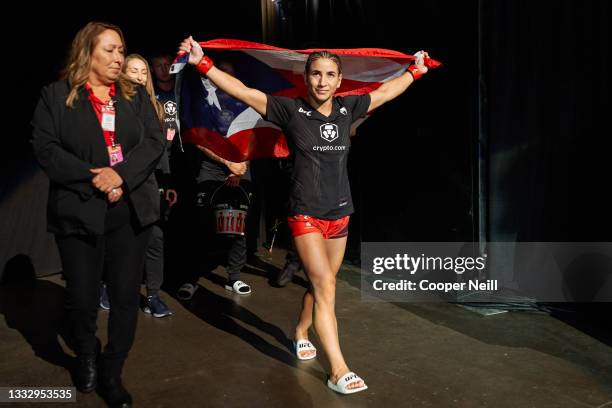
97, 137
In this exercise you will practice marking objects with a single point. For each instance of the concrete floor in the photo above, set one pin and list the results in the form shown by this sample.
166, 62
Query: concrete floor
222, 350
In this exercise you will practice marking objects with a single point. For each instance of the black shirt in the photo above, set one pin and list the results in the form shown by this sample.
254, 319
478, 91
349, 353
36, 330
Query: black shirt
171, 132
213, 170
320, 146
170, 124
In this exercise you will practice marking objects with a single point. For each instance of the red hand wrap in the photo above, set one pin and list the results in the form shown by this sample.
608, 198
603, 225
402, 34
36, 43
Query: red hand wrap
414, 70
204, 65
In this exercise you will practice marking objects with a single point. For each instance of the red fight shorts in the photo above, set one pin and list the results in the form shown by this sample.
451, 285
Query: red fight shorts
330, 229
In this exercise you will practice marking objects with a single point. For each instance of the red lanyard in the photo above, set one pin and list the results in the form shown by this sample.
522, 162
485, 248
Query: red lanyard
105, 112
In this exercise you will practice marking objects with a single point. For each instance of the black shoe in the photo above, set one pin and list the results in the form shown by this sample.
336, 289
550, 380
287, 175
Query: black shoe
286, 275
86, 375
113, 392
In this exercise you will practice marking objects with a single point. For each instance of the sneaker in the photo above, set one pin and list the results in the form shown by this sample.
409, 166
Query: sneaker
286, 275
155, 306
238, 287
186, 291
104, 302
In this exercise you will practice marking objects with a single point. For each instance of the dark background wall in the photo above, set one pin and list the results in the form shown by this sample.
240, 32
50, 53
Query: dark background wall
546, 71
413, 164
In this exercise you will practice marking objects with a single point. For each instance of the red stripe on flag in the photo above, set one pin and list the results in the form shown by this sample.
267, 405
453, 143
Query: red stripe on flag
244, 145
230, 44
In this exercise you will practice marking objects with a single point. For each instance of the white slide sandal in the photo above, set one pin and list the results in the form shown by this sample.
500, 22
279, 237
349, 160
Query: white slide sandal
238, 287
304, 345
342, 385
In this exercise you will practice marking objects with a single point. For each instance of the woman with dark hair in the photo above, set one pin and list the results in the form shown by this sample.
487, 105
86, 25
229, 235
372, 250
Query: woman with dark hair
97, 137
317, 129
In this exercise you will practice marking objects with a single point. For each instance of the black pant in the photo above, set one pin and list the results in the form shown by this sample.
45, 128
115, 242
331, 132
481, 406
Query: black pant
119, 253
206, 247
154, 262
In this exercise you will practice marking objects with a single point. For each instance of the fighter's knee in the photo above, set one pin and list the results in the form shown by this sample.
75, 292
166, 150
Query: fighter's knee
324, 288
323, 281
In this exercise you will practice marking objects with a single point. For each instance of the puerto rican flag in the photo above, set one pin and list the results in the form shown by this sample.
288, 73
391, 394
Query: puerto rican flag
211, 118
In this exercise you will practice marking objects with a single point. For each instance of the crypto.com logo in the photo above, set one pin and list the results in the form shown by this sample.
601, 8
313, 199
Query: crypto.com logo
329, 132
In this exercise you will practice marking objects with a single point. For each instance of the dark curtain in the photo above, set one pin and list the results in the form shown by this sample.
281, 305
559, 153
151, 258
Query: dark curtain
546, 70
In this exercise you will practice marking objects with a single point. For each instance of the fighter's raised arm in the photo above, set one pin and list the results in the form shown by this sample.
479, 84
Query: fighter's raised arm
226, 82
395, 87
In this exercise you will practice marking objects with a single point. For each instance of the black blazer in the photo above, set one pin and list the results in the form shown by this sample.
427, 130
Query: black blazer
69, 141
